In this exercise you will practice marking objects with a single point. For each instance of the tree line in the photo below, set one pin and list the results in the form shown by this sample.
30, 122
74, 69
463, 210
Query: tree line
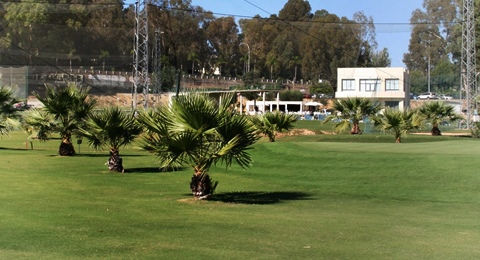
296, 44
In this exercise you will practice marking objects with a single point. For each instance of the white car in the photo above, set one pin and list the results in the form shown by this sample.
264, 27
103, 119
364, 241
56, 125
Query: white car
427, 95
446, 97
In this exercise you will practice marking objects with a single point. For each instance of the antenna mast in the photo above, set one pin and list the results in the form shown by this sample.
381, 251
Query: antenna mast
140, 77
469, 75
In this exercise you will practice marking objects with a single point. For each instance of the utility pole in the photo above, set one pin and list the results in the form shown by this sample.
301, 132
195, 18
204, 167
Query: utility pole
140, 77
157, 63
469, 59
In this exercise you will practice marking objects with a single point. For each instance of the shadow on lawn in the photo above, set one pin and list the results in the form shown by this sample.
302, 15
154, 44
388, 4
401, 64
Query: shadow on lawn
14, 149
259, 197
151, 170
106, 155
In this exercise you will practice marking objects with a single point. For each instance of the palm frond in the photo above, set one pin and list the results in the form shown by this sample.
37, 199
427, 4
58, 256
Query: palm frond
112, 126
196, 130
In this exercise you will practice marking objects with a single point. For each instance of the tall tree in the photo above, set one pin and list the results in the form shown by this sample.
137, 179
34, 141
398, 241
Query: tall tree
24, 26
295, 10
366, 33
436, 35
180, 23
223, 40
259, 34
329, 45
381, 58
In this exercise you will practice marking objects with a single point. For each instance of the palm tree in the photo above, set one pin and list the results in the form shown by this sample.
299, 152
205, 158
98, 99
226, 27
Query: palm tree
113, 127
350, 112
197, 131
272, 123
437, 112
398, 123
8, 113
65, 109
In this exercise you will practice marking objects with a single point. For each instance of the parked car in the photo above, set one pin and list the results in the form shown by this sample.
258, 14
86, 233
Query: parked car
446, 97
427, 95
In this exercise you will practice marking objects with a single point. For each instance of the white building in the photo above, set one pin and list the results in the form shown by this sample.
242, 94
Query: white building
252, 107
389, 86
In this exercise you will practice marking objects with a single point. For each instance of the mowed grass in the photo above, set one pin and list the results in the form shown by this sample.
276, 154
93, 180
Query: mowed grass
303, 198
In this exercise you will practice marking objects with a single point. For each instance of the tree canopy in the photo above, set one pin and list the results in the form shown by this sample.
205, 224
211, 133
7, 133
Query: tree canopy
298, 43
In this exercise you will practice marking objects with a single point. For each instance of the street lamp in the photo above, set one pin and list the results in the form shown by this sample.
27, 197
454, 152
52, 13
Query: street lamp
429, 47
248, 64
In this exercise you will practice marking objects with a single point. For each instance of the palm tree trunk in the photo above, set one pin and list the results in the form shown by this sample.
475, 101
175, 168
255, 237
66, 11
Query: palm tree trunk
115, 162
436, 131
355, 128
202, 186
66, 147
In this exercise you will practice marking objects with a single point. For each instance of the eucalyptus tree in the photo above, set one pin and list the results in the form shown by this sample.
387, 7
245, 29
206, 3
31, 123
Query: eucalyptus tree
112, 127
64, 112
223, 40
437, 112
180, 24
107, 22
8, 113
295, 10
259, 34
436, 35
381, 58
197, 131
365, 31
329, 45
24, 27
397, 122
349, 112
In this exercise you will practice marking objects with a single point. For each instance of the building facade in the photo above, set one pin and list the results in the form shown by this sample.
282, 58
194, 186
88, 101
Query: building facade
389, 86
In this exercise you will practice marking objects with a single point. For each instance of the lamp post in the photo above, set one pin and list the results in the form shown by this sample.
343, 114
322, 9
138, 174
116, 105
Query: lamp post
248, 64
429, 50
428, 68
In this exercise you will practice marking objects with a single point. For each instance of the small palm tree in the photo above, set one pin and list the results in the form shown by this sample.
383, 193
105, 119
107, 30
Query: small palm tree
64, 111
197, 131
111, 127
350, 112
437, 112
398, 123
272, 123
8, 113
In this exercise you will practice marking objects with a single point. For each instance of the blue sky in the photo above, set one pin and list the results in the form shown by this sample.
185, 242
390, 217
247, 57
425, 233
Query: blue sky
391, 18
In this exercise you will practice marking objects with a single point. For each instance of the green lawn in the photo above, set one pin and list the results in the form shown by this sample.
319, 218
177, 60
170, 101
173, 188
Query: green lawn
304, 198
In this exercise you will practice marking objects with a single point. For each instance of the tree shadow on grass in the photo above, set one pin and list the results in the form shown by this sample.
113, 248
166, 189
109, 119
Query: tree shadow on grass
259, 197
106, 155
14, 149
141, 170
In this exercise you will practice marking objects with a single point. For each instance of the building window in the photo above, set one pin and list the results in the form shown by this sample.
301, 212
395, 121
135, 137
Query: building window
348, 84
392, 104
392, 85
369, 85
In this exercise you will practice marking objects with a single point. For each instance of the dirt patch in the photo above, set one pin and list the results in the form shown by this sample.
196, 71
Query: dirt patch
296, 132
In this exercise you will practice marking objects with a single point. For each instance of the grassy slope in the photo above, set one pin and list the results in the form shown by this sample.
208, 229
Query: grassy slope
300, 200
